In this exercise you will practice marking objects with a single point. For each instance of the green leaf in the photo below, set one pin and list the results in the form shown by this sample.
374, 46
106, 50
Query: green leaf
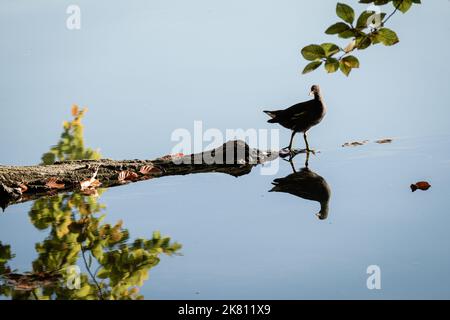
97, 251
348, 34
363, 43
313, 52
387, 37
330, 49
345, 12
48, 158
103, 274
351, 62
156, 235
83, 291
376, 2
312, 66
345, 69
363, 19
338, 27
331, 65
402, 5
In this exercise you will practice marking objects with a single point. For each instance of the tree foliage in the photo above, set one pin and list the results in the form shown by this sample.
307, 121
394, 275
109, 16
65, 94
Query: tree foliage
363, 30
71, 144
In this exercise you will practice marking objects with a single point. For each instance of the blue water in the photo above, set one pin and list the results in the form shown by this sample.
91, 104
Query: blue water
148, 68
240, 241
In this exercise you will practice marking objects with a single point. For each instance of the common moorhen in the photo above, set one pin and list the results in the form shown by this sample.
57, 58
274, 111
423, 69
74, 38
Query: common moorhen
301, 116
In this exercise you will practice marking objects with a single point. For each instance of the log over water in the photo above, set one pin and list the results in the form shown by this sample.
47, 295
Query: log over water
235, 158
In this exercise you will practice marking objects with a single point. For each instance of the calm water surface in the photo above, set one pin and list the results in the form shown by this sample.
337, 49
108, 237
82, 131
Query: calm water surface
240, 241
145, 70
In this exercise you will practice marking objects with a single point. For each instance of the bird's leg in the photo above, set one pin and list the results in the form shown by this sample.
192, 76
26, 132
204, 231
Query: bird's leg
306, 141
308, 150
292, 140
291, 162
307, 160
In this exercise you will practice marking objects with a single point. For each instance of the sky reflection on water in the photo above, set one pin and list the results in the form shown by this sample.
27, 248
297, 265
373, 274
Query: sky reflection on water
240, 241
144, 73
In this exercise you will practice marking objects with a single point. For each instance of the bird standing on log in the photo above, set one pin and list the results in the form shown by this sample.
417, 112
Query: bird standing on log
302, 116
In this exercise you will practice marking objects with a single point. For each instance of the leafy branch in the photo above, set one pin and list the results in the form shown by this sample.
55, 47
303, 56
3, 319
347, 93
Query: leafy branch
368, 29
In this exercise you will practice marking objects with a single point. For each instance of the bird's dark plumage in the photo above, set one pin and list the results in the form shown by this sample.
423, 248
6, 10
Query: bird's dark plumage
308, 185
301, 116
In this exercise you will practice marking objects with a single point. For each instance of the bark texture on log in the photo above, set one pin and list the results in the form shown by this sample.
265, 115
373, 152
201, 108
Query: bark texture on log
235, 158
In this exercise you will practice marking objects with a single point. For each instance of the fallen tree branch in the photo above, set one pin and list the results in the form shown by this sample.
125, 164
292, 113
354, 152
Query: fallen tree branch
24, 183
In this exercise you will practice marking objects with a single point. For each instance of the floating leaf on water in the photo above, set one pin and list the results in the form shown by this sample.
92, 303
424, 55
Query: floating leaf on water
422, 185
355, 143
52, 183
382, 141
127, 176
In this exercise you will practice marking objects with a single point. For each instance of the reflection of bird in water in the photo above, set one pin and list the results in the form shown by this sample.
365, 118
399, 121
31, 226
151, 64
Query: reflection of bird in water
302, 116
308, 185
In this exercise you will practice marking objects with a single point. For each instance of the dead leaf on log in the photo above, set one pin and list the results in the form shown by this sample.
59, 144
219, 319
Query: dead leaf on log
383, 141
422, 185
30, 281
23, 187
18, 190
355, 143
166, 158
127, 176
90, 183
52, 183
85, 184
90, 192
145, 170
170, 157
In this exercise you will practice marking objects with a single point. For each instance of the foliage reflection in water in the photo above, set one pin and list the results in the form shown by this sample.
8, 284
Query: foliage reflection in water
114, 267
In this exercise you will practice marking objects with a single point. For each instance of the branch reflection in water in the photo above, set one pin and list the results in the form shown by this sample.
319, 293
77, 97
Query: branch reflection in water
113, 267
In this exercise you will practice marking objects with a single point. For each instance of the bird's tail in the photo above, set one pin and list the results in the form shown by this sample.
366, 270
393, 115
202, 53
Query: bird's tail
273, 115
270, 114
